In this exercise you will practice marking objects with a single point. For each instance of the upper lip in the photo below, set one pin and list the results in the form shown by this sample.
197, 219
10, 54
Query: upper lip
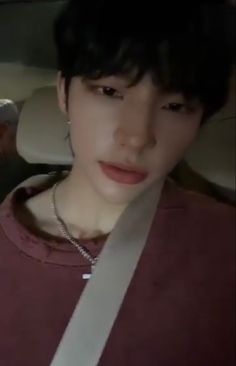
127, 167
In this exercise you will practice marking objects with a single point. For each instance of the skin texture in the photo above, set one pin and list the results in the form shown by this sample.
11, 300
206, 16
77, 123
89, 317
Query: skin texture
111, 122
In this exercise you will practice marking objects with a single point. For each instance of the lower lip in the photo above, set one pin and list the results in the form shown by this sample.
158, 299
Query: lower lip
122, 176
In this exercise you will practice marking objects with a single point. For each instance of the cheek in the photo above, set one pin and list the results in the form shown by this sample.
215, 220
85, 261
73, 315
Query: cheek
179, 133
92, 129
173, 140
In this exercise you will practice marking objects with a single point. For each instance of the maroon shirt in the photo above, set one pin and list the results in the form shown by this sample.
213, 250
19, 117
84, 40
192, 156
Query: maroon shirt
179, 308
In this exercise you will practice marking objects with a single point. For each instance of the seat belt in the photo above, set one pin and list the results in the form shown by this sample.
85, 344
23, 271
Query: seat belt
90, 325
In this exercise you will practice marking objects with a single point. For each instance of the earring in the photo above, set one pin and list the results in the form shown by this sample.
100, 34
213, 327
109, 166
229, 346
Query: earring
68, 122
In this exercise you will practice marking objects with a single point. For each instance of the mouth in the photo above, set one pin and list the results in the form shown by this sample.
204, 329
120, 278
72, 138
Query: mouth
122, 173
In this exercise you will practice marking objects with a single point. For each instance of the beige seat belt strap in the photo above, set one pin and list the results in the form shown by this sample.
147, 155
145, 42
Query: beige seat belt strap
89, 327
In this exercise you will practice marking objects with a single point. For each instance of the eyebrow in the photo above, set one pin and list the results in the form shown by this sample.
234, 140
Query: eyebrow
128, 80
125, 77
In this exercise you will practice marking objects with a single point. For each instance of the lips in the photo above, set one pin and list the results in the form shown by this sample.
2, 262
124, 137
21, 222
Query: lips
123, 174
127, 168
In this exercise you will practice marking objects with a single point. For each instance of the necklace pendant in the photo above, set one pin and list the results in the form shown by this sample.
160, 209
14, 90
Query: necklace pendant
86, 276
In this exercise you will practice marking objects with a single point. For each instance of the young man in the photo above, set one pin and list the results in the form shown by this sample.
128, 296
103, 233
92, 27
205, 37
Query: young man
135, 95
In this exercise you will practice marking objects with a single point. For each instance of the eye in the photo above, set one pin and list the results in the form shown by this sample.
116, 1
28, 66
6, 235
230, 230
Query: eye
176, 107
109, 92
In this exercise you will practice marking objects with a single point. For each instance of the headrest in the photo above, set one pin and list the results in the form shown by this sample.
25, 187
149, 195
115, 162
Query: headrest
212, 154
18, 81
42, 130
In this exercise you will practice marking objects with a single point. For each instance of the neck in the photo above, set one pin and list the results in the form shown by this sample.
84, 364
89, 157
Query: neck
84, 211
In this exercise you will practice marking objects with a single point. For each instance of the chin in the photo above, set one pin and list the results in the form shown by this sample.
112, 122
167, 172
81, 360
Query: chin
120, 194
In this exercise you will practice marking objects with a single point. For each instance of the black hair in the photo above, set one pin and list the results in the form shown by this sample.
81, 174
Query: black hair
186, 46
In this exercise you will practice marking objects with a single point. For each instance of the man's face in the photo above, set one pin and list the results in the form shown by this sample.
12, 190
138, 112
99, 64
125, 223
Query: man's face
136, 126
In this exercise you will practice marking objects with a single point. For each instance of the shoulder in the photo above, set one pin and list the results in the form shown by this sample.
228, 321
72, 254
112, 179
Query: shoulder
193, 199
208, 208
198, 215
210, 220
28, 205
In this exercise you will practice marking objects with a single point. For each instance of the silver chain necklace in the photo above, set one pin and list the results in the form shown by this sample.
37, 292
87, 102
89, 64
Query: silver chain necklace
66, 234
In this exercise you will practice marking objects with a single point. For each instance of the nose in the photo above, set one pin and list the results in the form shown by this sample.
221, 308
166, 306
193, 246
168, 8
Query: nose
135, 130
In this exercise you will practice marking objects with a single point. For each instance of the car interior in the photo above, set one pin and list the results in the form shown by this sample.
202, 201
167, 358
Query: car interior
33, 132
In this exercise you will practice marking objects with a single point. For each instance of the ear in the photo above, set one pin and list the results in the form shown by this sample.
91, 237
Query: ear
61, 96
